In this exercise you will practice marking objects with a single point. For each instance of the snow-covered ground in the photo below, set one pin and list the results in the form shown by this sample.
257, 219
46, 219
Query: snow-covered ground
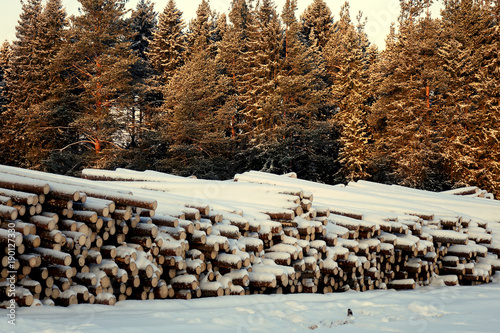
433, 308
426, 309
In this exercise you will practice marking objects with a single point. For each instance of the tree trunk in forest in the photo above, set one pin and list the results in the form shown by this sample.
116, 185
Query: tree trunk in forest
428, 96
97, 145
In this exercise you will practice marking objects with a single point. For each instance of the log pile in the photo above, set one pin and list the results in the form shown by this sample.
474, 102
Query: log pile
93, 241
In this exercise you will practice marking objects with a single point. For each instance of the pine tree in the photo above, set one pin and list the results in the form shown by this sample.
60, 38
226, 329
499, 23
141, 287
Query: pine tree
166, 50
347, 55
99, 58
317, 21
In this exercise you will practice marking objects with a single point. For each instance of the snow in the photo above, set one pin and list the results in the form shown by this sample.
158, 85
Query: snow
435, 308
386, 247
348, 243
251, 241
329, 263
337, 250
229, 258
243, 255
237, 274
317, 244
212, 286
275, 270
286, 248
185, 279
380, 207
277, 255
213, 239
371, 243
463, 190
262, 277
225, 228
170, 245
104, 297
79, 289
336, 229
448, 235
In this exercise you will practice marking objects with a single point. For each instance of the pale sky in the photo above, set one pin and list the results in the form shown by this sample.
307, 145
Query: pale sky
380, 13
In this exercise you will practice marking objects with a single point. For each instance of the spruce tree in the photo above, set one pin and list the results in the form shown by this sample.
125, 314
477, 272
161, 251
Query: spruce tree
142, 25
262, 62
464, 21
202, 31
44, 133
4, 66
38, 40
347, 56
220, 30
489, 135
25, 70
300, 141
234, 41
33, 83
474, 146
301, 80
406, 117
231, 48
4, 99
463, 24
317, 21
166, 49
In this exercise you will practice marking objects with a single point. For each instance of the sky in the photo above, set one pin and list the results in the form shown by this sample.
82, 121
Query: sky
380, 14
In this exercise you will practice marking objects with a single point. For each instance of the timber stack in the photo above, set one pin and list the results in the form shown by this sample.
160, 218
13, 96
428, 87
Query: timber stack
118, 235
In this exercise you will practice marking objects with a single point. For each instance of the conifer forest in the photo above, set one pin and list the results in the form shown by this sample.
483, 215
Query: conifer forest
256, 88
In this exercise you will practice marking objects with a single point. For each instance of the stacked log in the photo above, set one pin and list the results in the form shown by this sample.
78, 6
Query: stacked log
83, 241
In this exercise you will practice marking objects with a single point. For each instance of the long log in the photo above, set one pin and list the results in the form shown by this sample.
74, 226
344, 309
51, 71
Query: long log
100, 206
53, 256
23, 184
10, 237
42, 222
20, 197
8, 213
